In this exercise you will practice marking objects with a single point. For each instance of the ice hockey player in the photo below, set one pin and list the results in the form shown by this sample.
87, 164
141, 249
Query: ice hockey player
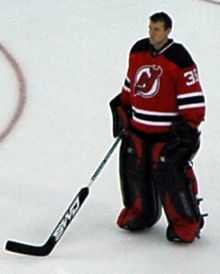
157, 113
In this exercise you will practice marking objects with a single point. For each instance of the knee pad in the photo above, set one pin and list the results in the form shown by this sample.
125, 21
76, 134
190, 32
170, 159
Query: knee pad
136, 178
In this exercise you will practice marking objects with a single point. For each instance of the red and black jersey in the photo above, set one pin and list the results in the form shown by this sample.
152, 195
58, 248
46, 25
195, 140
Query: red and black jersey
160, 86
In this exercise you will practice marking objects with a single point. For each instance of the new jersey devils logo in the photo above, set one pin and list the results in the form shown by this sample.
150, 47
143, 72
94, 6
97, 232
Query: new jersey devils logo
147, 81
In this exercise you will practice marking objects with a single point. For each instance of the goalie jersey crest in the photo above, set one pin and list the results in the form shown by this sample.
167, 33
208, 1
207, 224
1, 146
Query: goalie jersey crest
147, 81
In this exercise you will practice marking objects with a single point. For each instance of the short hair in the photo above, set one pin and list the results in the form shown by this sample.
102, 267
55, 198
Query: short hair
162, 17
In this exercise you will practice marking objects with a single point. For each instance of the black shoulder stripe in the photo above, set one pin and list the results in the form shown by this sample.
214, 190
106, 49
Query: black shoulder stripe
141, 45
179, 55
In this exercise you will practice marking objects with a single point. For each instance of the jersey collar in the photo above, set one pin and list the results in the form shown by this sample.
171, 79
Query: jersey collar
156, 52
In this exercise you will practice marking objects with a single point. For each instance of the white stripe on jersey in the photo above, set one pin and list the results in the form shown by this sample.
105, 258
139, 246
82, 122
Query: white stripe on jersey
160, 52
199, 105
156, 113
189, 95
126, 89
150, 123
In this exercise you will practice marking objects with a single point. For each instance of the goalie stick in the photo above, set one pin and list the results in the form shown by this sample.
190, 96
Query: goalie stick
66, 219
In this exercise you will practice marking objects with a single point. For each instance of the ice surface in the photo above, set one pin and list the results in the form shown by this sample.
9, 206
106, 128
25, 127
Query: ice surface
74, 57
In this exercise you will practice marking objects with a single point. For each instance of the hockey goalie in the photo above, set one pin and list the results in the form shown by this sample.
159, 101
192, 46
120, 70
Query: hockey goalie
159, 109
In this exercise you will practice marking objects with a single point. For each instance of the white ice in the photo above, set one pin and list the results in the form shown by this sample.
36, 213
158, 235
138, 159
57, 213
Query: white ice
74, 58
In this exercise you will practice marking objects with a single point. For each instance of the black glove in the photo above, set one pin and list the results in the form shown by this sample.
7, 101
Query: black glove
184, 142
120, 115
185, 134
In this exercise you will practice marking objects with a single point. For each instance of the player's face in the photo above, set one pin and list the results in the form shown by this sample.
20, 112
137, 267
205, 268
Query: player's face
157, 32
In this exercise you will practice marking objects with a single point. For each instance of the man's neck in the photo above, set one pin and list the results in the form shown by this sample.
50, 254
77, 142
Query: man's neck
158, 46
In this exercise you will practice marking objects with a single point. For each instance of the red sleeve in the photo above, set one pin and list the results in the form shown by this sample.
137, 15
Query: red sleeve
190, 98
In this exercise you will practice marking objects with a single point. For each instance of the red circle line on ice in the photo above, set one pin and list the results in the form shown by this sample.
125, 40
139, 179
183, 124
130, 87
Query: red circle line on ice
217, 2
21, 93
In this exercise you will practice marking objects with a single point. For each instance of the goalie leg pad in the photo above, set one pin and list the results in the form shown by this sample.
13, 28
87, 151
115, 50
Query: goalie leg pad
140, 197
178, 195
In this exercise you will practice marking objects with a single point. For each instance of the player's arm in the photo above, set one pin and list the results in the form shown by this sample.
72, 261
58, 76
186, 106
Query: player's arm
120, 105
190, 97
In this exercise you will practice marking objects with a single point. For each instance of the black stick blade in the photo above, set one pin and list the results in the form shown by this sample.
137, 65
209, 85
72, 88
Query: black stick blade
27, 249
57, 233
